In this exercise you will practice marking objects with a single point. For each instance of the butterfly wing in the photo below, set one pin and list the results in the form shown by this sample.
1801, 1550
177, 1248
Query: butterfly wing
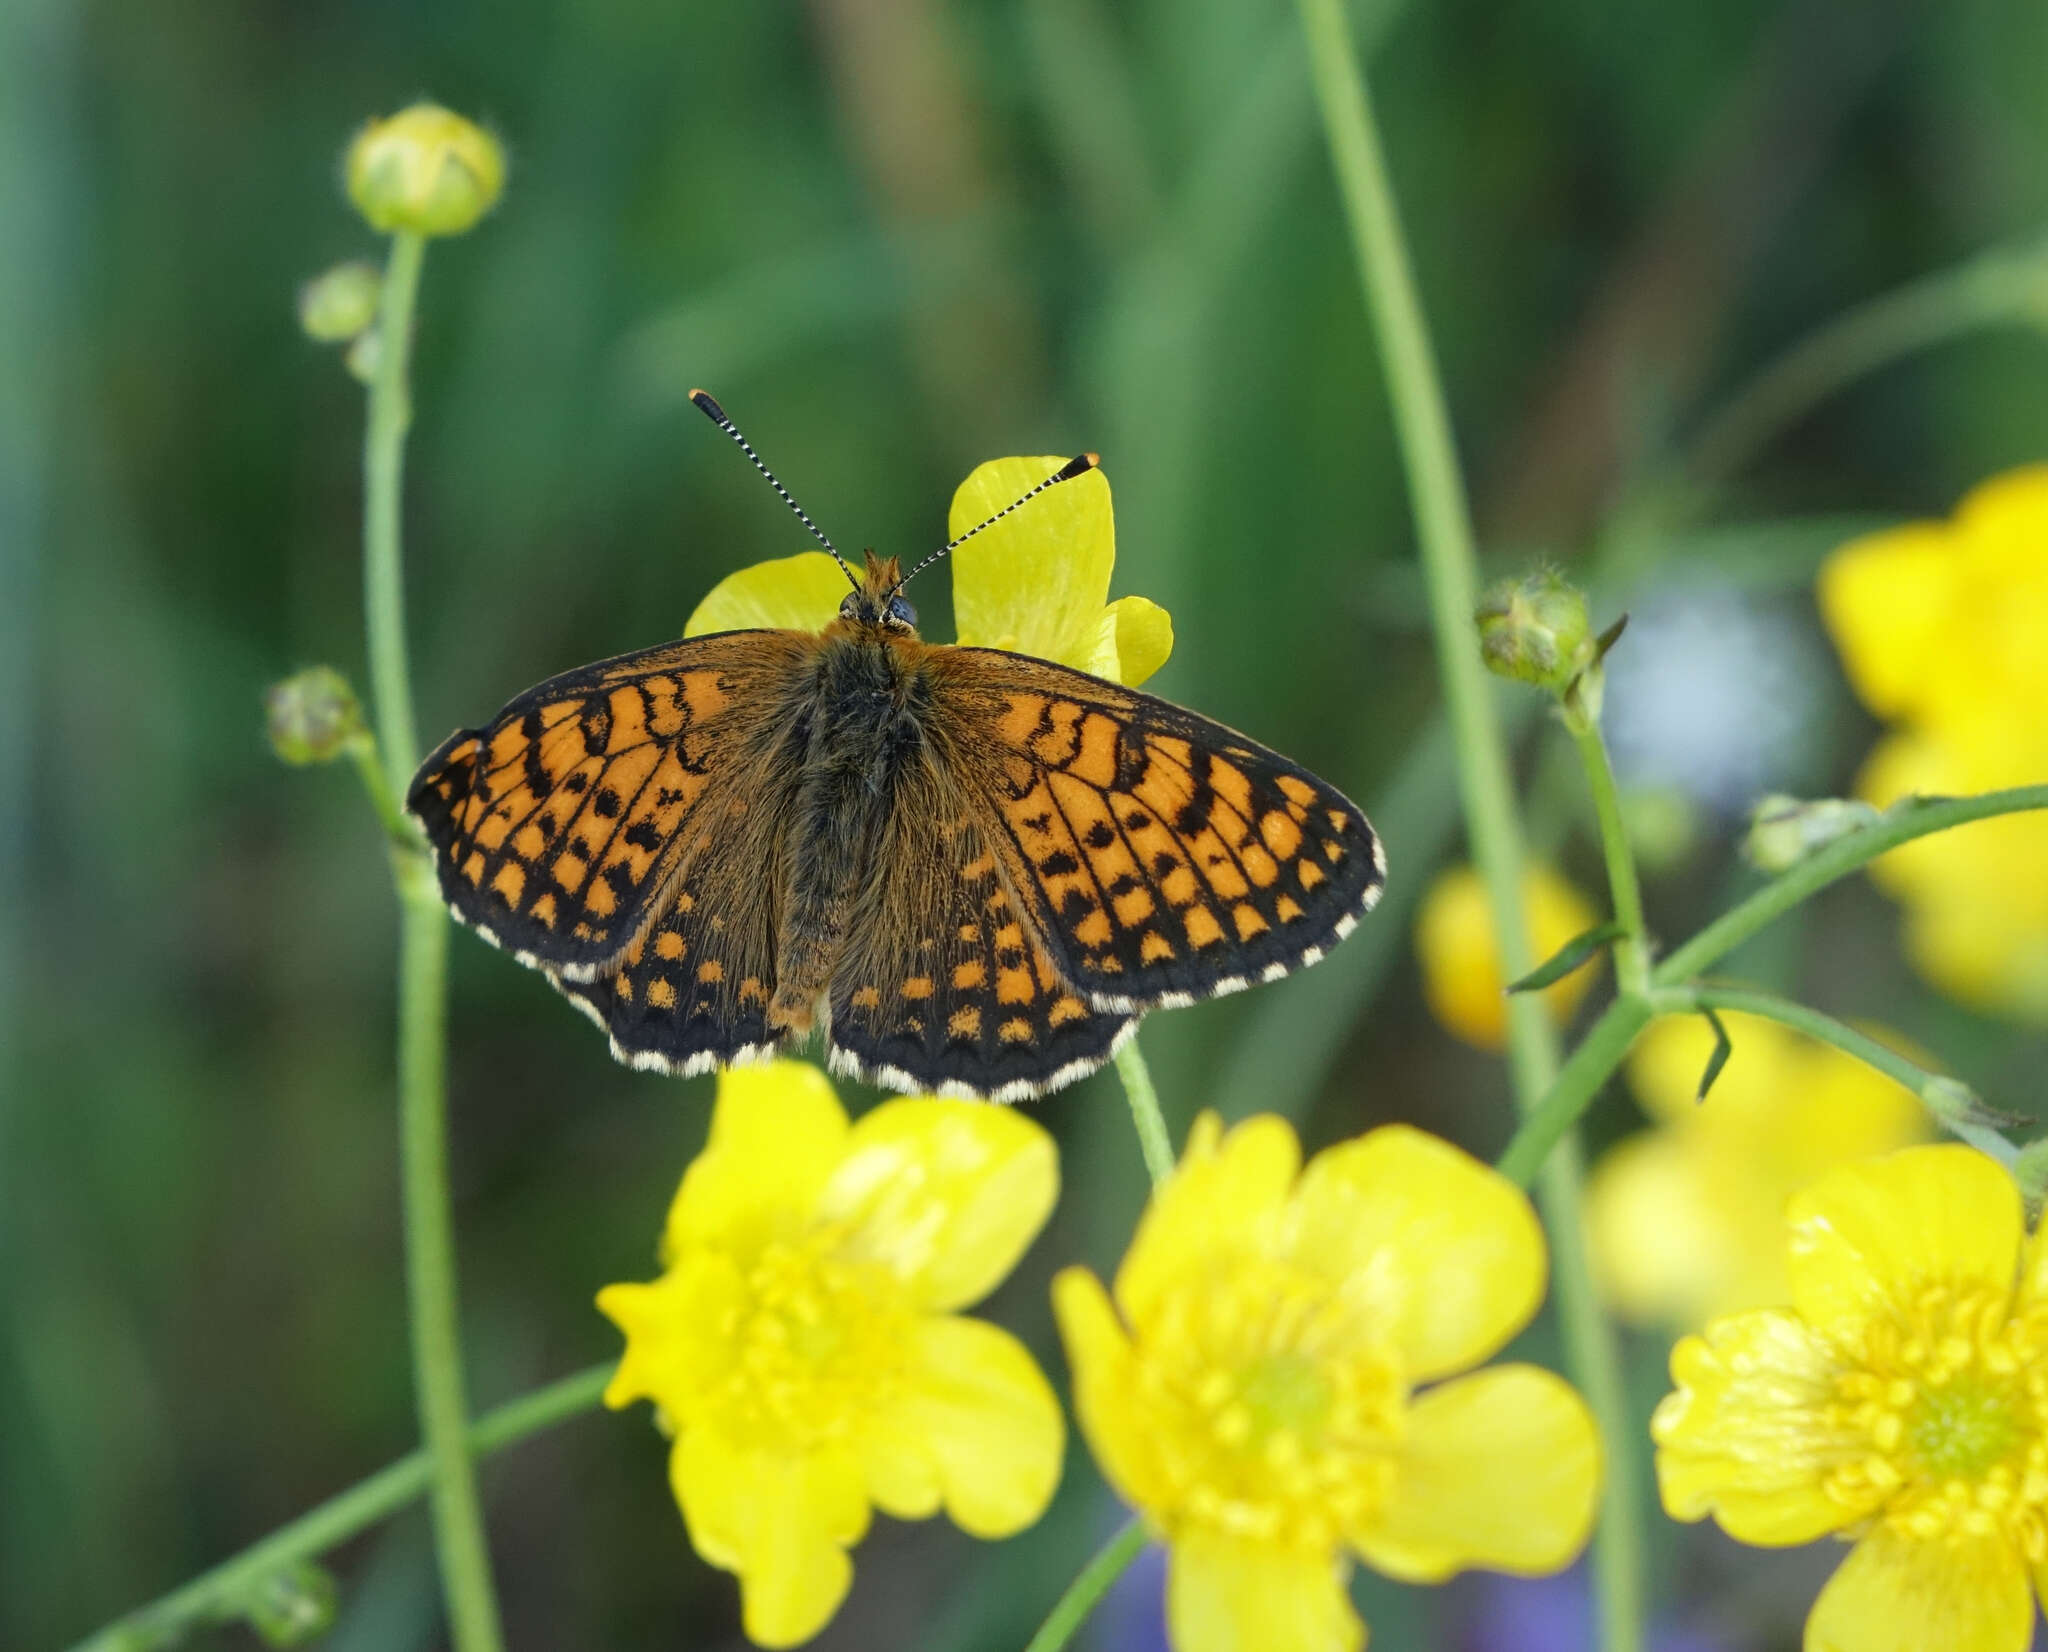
945, 985
560, 828
1162, 856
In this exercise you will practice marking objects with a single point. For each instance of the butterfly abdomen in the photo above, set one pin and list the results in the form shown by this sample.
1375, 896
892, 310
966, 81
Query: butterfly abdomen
865, 726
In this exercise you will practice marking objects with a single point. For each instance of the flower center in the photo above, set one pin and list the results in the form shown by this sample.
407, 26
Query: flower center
1278, 1411
1942, 1418
817, 1344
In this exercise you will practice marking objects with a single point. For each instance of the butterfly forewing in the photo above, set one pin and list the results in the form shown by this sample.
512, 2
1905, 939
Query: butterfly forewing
1167, 857
560, 827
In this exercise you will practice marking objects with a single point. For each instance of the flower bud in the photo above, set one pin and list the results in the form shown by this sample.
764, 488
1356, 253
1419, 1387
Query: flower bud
425, 170
292, 1606
337, 305
1535, 630
1784, 830
362, 354
313, 716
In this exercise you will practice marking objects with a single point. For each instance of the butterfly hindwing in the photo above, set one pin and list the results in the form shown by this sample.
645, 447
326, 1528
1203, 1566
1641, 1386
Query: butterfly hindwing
559, 826
1169, 857
945, 985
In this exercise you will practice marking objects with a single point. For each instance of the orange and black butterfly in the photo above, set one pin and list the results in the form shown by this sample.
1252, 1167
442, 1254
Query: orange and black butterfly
970, 870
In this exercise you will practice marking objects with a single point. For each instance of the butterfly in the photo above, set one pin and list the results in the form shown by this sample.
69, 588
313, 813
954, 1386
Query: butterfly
970, 871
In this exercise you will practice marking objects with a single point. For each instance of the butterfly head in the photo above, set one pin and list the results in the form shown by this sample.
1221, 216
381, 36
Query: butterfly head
879, 604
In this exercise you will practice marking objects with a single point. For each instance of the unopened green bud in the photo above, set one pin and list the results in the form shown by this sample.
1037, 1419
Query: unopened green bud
313, 716
1785, 830
425, 170
293, 1605
1535, 630
334, 307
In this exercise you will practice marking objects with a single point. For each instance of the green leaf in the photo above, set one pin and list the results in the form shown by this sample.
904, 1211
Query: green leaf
1569, 957
1723, 1048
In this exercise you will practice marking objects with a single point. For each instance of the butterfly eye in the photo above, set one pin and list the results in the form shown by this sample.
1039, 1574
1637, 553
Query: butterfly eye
901, 611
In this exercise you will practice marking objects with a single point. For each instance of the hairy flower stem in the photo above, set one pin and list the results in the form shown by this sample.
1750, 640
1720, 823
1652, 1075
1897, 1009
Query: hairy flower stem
217, 1596
1444, 532
1153, 1140
422, 994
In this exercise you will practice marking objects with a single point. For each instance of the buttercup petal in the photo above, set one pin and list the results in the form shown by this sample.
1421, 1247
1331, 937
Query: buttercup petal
1885, 599
1035, 582
1443, 1256
793, 593
1227, 1193
1105, 1371
1868, 1231
777, 1133
1142, 634
676, 1347
1230, 1594
975, 1428
782, 1522
1746, 1436
1500, 1469
2001, 519
946, 1194
1894, 1594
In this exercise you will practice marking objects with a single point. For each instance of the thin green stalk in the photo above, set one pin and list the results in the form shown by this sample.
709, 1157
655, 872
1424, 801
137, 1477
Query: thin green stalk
1071, 1610
1915, 817
422, 995
1444, 532
369, 764
2005, 285
383, 495
1948, 1101
1153, 1140
1631, 951
1591, 1065
218, 1595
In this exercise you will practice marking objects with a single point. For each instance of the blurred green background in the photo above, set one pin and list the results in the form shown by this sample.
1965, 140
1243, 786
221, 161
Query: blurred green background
896, 237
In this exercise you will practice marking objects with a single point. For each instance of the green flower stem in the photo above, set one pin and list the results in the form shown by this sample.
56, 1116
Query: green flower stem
1073, 1607
422, 995
1631, 952
1153, 1140
217, 1596
1904, 821
1581, 1078
397, 824
1444, 532
2007, 285
383, 494
1601, 1052
1949, 1102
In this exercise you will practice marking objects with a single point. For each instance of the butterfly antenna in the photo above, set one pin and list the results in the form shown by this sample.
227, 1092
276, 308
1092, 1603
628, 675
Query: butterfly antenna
1079, 465
707, 404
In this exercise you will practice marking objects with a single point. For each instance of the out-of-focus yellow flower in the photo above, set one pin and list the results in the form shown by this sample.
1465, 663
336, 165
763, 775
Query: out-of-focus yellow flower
1460, 957
804, 1348
1687, 1221
1037, 582
426, 170
1943, 628
1252, 1389
1900, 1402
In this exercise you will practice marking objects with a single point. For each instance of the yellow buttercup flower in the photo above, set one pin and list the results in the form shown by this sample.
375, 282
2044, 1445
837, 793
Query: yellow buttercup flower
804, 1346
1900, 1402
1460, 957
1687, 1221
1252, 1389
1037, 582
1943, 628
